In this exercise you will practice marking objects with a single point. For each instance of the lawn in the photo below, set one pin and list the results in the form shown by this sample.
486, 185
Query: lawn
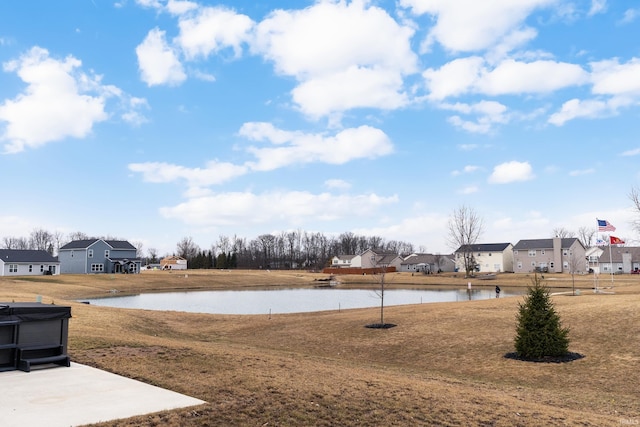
443, 364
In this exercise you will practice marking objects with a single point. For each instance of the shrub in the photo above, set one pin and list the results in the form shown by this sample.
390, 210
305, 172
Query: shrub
540, 333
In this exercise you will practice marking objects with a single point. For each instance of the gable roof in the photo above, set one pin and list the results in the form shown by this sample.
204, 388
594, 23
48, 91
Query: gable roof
26, 255
616, 254
424, 259
543, 244
484, 247
84, 244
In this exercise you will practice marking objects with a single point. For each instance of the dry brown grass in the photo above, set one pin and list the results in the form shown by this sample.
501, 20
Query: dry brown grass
442, 365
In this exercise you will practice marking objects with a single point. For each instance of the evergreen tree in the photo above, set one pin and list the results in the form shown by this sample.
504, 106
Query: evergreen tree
540, 333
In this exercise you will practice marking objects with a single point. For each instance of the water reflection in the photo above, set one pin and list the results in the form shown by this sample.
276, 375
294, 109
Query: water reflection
290, 300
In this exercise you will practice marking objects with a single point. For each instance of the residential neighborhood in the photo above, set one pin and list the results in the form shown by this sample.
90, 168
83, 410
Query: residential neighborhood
551, 255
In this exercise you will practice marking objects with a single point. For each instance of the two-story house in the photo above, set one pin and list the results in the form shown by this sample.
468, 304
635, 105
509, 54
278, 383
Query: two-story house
372, 258
554, 255
488, 257
98, 256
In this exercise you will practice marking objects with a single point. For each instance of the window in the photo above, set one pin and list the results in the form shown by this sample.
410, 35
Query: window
541, 251
106, 253
519, 265
13, 268
97, 268
565, 252
90, 253
489, 253
30, 268
533, 263
515, 252
565, 265
532, 252
551, 265
41, 268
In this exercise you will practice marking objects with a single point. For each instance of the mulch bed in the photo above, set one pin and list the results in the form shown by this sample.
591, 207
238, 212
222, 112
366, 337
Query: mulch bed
569, 357
380, 325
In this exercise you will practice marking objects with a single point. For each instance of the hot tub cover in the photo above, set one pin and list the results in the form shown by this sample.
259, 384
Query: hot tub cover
32, 311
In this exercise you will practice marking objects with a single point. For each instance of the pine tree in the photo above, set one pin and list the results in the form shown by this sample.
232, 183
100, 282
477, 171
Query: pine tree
539, 333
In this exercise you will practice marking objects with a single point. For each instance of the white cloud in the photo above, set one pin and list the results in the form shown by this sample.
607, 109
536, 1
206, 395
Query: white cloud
469, 190
300, 148
592, 108
469, 25
286, 148
473, 75
332, 47
179, 7
488, 114
581, 172
630, 15
612, 78
214, 173
352, 88
511, 172
212, 29
60, 99
338, 184
633, 152
514, 77
292, 208
466, 169
597, 6
158, 62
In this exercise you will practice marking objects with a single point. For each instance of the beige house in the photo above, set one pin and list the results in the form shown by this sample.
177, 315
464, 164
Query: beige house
554, 255
341, 261
173, 263
488, 257
373, 259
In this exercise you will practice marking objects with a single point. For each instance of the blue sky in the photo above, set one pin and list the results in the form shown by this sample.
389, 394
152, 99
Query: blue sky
155, 120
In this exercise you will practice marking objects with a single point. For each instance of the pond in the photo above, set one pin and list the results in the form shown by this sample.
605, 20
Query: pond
290, 300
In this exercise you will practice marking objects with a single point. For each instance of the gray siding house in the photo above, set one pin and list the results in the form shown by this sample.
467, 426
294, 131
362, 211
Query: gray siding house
18, 262
96, 256
625, 259
554, 255
427, 263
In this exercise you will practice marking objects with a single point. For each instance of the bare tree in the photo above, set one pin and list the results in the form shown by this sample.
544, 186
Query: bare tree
562, 233
153, 255
139, 246
40, 239
186, 248
576, 265
634, 195
465, 228
586, 235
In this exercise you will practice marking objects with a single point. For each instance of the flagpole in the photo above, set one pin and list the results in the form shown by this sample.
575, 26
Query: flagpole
610, 261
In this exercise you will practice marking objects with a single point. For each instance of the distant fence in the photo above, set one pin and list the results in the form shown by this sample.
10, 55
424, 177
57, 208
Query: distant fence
353, 270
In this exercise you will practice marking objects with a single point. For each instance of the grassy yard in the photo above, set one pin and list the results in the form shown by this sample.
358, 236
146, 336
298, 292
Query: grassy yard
442, 365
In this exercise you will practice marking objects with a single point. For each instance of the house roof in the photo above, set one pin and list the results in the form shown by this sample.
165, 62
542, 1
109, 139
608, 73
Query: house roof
484, 247
424, 259
543, 244
26, 256
616, 254
84, 244
345, 257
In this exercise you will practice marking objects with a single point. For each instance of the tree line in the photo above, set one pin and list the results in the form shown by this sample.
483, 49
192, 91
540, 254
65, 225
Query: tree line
296, 249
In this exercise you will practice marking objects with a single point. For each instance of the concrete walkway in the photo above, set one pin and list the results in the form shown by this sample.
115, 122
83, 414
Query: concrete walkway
79, 395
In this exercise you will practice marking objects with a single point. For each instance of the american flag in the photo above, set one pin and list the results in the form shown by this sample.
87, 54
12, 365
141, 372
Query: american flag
604, 225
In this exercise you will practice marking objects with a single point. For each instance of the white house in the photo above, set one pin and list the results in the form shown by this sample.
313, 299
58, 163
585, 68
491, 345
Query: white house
18, 262
173, 263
